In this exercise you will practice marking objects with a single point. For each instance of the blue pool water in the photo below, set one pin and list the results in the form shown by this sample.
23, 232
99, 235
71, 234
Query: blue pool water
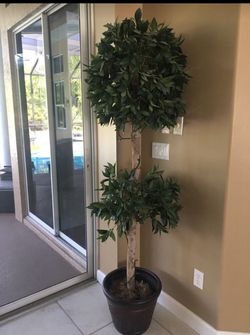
41, 164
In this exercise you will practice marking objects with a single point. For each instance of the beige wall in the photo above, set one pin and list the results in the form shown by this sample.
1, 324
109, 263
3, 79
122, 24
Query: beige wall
199, 158
234, 298
106, 142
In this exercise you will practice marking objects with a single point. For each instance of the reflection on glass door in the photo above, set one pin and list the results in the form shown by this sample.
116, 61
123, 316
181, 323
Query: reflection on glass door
64, 32
52, 119
32, 81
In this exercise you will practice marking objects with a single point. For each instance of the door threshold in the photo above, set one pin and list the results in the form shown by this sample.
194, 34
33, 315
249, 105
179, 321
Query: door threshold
71, 255
46, 295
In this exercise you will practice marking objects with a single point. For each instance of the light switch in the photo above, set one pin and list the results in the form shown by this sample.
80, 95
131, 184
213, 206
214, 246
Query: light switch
160, 150
178, 129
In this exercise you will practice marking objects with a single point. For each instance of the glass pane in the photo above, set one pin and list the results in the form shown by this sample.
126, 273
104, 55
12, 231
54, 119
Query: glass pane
66, 74
30, 61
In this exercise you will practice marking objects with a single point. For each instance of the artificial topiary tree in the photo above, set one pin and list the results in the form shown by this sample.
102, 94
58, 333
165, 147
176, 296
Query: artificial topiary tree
137, 77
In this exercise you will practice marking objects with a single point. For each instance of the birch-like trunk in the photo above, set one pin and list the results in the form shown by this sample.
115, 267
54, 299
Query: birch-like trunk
131, 235
131, 249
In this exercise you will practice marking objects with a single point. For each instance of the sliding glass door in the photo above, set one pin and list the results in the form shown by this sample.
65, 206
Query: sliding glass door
56, 123
30, 61
64, 29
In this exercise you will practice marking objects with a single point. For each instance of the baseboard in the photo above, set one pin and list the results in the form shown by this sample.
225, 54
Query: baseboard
191, 319
100, 276
183, 313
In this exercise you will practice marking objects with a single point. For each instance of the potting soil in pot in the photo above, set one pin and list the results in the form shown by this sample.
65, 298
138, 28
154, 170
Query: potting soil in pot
119, 290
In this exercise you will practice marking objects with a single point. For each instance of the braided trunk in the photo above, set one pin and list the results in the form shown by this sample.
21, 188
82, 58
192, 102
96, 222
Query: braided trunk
131, 235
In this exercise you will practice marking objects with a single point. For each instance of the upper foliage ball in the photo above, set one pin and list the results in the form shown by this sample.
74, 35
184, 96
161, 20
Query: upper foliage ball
138, 75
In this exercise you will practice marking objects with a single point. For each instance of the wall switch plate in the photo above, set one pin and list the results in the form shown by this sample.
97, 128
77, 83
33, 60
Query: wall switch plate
160, 150
178, 129
198, 279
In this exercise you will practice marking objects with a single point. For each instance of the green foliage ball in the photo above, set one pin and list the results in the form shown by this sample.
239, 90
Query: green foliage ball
138, 75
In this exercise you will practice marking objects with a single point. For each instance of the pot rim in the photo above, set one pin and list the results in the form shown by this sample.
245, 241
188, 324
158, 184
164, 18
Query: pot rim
158, 287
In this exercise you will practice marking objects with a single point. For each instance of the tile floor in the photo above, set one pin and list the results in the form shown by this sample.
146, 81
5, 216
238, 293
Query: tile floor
83, 311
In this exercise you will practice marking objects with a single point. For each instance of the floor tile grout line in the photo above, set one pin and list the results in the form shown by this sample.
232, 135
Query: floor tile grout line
77, 325
163, 326
100, 328
70, 318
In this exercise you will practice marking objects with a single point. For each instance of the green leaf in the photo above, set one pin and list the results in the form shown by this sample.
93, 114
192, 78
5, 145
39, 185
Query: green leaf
112, 235
138, 16
144, 26
153, 24
102, 231
103, 234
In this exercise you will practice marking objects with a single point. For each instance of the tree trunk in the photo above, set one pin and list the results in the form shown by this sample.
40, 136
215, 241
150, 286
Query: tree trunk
131, 236
136, 153
131, 249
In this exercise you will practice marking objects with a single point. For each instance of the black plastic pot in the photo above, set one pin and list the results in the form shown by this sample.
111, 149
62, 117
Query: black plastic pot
133, 317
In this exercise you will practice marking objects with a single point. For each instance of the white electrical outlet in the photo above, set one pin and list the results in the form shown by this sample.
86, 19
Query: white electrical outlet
198, 279
160, 150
